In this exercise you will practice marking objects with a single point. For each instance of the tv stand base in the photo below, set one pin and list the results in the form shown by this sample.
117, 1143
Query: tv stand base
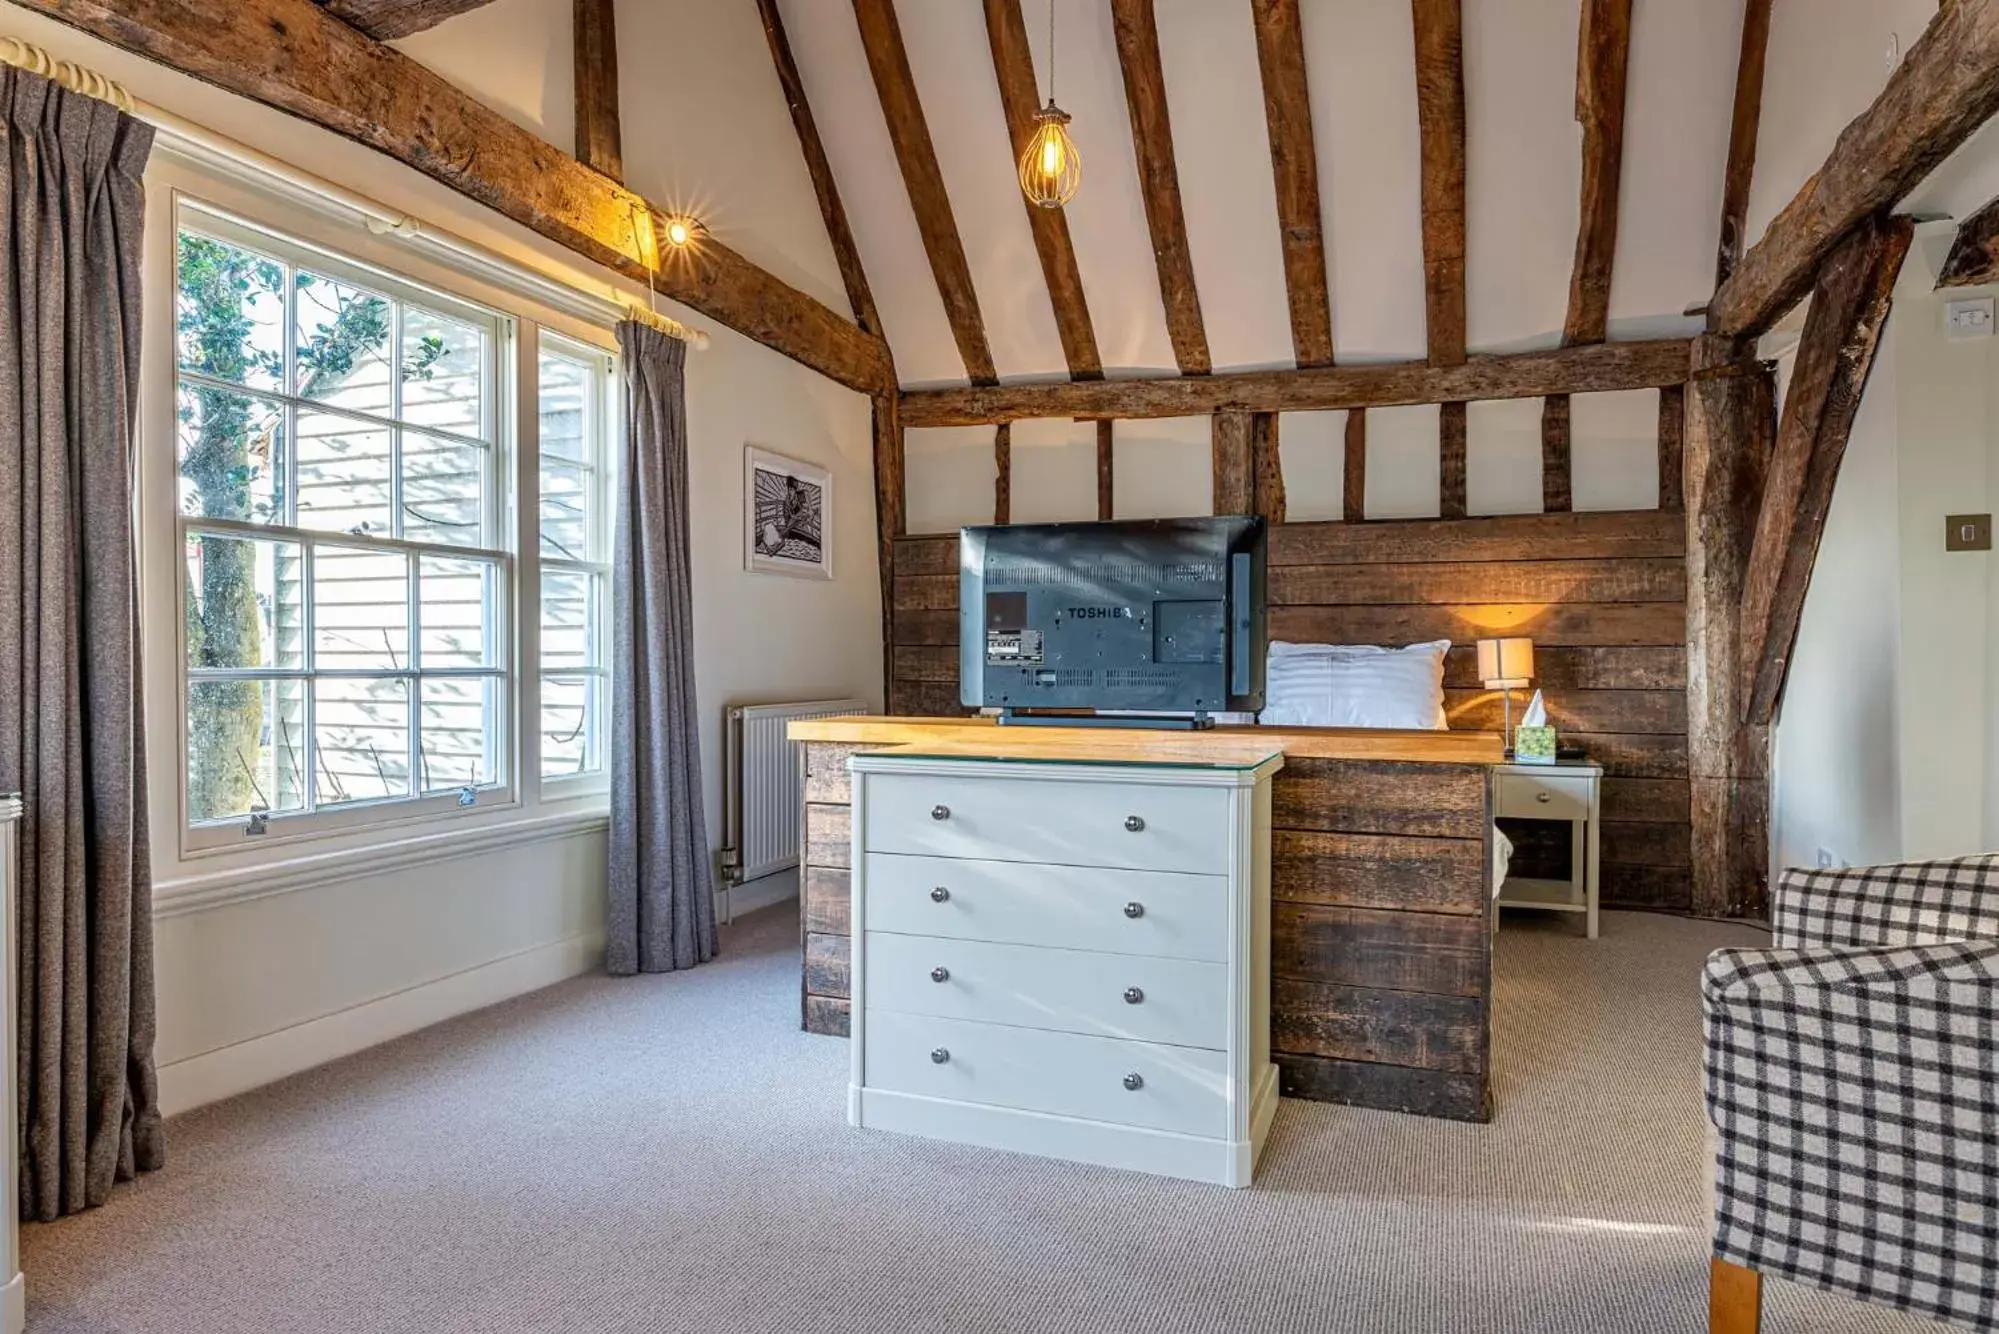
1176, 722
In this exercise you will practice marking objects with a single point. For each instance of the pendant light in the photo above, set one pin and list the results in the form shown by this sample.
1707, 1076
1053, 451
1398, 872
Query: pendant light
1051, 168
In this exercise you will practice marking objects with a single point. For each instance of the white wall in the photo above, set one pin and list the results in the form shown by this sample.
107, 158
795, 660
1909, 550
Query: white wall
263, 971
1837, 781
1889, 737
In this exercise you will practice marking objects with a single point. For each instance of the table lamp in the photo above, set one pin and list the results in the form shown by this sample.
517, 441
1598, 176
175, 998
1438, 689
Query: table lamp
1506, 665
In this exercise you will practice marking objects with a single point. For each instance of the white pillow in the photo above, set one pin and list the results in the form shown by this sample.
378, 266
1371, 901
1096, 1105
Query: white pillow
1355, 685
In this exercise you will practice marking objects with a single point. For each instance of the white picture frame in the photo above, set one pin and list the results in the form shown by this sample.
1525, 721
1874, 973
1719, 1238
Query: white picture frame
787, 516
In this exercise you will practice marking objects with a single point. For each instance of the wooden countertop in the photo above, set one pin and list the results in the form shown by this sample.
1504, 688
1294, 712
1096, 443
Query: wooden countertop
974, 735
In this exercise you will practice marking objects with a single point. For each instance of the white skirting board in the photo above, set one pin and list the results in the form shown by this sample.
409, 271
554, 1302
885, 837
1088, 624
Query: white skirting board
733, 902
240, 1067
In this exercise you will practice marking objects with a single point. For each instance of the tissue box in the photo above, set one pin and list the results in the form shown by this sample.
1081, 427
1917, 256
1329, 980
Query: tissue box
1534, 745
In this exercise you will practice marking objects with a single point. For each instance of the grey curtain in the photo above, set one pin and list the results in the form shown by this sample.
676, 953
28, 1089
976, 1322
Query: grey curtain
662, 908
72, 205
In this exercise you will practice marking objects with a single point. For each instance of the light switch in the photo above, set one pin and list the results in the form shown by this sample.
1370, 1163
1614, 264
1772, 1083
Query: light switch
1970, 318
1968, 532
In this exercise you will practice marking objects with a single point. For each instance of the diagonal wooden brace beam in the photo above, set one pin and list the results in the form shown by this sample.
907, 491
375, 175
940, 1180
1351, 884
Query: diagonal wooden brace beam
1849, 305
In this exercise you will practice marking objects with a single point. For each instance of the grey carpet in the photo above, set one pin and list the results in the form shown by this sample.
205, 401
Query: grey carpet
670, 1153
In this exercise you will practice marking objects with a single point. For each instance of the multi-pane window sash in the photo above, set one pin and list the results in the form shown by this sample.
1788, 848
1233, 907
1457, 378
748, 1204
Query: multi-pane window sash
572, 526
345, 629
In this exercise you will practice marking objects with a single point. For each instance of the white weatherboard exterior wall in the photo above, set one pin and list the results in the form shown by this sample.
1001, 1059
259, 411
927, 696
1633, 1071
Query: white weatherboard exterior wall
311, 967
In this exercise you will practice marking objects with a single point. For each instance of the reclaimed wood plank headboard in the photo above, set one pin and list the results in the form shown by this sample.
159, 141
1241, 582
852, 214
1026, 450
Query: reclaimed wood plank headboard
1603, 596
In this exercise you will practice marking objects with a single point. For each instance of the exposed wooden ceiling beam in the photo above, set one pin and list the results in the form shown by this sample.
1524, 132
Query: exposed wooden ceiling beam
1598, 368
1744, 123
909, 131
291, 55
1603, 50
1603, 54
1945, 88
1974, 252
598, 141
386, 19
1440, 112
1294, 162
1159, 180
845, 252
1013, 65
1849, 305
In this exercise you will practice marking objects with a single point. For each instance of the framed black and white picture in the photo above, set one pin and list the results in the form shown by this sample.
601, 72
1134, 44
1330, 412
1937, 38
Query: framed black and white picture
788, 515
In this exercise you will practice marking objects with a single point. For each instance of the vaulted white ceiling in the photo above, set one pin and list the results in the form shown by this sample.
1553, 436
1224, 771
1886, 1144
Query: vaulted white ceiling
705, 129
1523, 176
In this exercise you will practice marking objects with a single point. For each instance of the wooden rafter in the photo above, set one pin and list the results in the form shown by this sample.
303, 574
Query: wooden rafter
845, 252
1849, 305
1294, 162
1440, 111
598, 141
1599, 368
909, 131
1603, 55
387, 19
1945, 88
1603, 50
1013, 65
1974, 252
1159, 180
1744, 123
291, 55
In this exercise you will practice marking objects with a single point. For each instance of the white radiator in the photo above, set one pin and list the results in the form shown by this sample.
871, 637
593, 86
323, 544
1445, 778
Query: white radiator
760, 782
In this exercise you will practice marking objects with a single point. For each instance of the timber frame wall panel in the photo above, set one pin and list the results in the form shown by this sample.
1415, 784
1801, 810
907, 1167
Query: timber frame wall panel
1603, 595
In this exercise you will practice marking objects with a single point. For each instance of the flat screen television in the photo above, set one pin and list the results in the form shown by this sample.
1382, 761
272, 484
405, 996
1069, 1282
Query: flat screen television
1148, 617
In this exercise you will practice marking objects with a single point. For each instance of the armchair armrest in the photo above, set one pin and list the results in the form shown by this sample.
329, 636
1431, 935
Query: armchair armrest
1855, 1093
1914, 903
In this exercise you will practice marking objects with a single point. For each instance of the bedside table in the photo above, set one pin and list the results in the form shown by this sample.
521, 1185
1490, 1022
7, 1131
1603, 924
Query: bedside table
1571, 793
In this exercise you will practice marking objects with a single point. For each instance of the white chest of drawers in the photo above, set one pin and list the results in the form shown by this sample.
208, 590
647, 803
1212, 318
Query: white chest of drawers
1068, 959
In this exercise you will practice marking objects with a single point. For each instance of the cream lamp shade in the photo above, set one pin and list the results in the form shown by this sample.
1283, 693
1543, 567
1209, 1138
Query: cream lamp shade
1505, 664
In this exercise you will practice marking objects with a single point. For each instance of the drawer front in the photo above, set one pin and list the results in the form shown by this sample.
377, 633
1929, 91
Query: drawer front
1072, 907
1067, 1074
1178, 1001
1069, 823
1556, 797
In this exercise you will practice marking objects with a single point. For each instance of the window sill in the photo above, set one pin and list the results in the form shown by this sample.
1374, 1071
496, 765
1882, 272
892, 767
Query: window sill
197, 893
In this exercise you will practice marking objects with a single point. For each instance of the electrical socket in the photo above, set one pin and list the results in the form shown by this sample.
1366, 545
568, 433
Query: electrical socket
1826, 859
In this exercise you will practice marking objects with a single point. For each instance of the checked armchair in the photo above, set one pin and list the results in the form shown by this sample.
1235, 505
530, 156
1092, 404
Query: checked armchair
1853, 1080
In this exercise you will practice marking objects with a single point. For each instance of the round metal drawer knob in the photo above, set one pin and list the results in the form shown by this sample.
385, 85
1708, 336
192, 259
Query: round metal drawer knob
1134, 1082
1134, 910
1134, 823
940, 974
939, 1055
1134, 995
940, 812
940, 895
1543, 798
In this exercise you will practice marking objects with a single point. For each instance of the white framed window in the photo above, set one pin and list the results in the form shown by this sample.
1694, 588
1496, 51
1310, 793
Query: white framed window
346, 537
576, 419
